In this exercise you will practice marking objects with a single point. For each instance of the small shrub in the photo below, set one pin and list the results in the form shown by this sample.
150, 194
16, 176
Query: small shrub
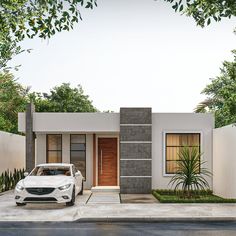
8, 179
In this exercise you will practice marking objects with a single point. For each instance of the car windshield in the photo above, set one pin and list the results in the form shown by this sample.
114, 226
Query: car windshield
51, 170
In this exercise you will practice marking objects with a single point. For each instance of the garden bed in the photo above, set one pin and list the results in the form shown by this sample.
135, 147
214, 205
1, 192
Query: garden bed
171, 196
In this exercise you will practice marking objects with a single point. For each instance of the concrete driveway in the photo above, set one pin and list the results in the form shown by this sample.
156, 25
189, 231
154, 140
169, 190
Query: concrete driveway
39, 212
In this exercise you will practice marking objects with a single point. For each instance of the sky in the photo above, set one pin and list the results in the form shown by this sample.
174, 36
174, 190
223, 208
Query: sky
131, 53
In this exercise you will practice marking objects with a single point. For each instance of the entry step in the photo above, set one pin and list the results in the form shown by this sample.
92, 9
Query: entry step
106, 189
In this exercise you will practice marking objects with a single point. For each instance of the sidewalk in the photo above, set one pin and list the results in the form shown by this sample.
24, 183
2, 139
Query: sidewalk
82, 212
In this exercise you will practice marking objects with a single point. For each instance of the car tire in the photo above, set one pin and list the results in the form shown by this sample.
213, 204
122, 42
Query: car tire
82, 189
20, 204
72, 201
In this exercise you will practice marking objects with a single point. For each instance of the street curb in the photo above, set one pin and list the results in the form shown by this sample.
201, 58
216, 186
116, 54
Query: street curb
156, 219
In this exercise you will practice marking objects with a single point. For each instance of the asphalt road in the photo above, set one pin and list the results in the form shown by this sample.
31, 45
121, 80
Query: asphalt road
126, 229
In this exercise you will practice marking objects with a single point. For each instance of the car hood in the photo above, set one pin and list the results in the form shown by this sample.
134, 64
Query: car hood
46, 181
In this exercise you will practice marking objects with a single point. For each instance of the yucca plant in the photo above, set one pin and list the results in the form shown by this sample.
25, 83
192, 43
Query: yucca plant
190, 175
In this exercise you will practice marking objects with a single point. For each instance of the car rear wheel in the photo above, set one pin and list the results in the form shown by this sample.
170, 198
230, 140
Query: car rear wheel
20, 204
82, 189
72, 202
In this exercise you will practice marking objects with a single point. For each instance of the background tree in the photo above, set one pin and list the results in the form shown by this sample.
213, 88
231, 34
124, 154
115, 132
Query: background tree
29, 18
14, 97
221, 95
205, 11
63, 98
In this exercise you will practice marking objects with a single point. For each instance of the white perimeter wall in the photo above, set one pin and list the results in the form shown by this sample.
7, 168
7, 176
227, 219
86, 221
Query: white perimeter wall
178, 122
12, 151
224, 164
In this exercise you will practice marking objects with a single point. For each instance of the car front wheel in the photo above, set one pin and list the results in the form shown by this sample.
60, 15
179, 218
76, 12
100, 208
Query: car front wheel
72, 201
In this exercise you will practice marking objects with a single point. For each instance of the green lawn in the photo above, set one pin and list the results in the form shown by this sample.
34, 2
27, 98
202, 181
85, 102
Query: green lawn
170, 196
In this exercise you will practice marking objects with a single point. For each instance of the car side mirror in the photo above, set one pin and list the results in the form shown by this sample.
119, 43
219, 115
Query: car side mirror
26, 174
78, 173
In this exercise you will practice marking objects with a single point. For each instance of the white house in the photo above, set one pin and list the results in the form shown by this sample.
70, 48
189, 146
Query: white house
135, 150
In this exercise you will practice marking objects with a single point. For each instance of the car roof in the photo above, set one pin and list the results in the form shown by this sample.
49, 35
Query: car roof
56, 164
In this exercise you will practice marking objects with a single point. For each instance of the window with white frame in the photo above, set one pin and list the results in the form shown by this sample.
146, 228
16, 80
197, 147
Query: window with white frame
173, 144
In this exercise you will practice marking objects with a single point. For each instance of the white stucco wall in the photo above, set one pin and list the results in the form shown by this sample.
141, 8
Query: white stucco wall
41, 153
224, 164
178, 122
12, 151
72, 122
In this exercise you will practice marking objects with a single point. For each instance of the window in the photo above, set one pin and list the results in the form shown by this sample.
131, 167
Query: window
54, 148
78, 152
174, 143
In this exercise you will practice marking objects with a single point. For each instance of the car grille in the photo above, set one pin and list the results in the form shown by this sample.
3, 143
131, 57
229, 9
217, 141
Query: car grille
40, 191
40, 199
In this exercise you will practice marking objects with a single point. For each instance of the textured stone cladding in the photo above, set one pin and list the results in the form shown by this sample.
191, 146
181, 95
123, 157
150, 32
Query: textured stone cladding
135, 116
135, 150
135, 133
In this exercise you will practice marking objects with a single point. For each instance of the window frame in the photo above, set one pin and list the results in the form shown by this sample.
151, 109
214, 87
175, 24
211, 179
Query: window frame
165, 174
47, 150
77, 151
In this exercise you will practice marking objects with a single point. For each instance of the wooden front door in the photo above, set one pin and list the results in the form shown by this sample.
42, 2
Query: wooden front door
107, 161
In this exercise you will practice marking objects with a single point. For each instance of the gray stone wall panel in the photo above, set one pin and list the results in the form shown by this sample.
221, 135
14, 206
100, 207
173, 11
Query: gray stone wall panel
135, 133
135, 185
136, 150
135, 115
135, 167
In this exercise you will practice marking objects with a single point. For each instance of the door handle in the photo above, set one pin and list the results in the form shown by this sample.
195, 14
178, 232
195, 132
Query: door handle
101, 161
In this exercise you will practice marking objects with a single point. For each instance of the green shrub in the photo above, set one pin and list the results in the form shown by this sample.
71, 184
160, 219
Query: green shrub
8, 179
170, 196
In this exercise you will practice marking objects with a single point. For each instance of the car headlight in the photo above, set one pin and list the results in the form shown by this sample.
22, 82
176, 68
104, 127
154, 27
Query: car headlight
64, 187
19, 187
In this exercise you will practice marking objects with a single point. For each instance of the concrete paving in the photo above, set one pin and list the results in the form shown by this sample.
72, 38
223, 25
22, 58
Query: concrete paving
114, 212
104, 198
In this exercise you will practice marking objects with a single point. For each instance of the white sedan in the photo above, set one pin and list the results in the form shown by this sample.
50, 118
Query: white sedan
48, 183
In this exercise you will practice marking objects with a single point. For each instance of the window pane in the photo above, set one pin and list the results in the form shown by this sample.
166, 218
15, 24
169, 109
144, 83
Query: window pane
172, 153
80, 155
172, 139
171, 167
54, 142
54, 156
78, 146
77, 138
194, 140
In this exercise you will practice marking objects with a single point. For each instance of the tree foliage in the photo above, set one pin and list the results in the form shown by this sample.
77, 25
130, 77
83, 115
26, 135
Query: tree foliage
221, 95
63, 98
14, 97
205, 11
20, 19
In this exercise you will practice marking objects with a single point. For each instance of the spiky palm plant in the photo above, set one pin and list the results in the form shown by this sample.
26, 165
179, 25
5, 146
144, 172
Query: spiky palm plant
189, 172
